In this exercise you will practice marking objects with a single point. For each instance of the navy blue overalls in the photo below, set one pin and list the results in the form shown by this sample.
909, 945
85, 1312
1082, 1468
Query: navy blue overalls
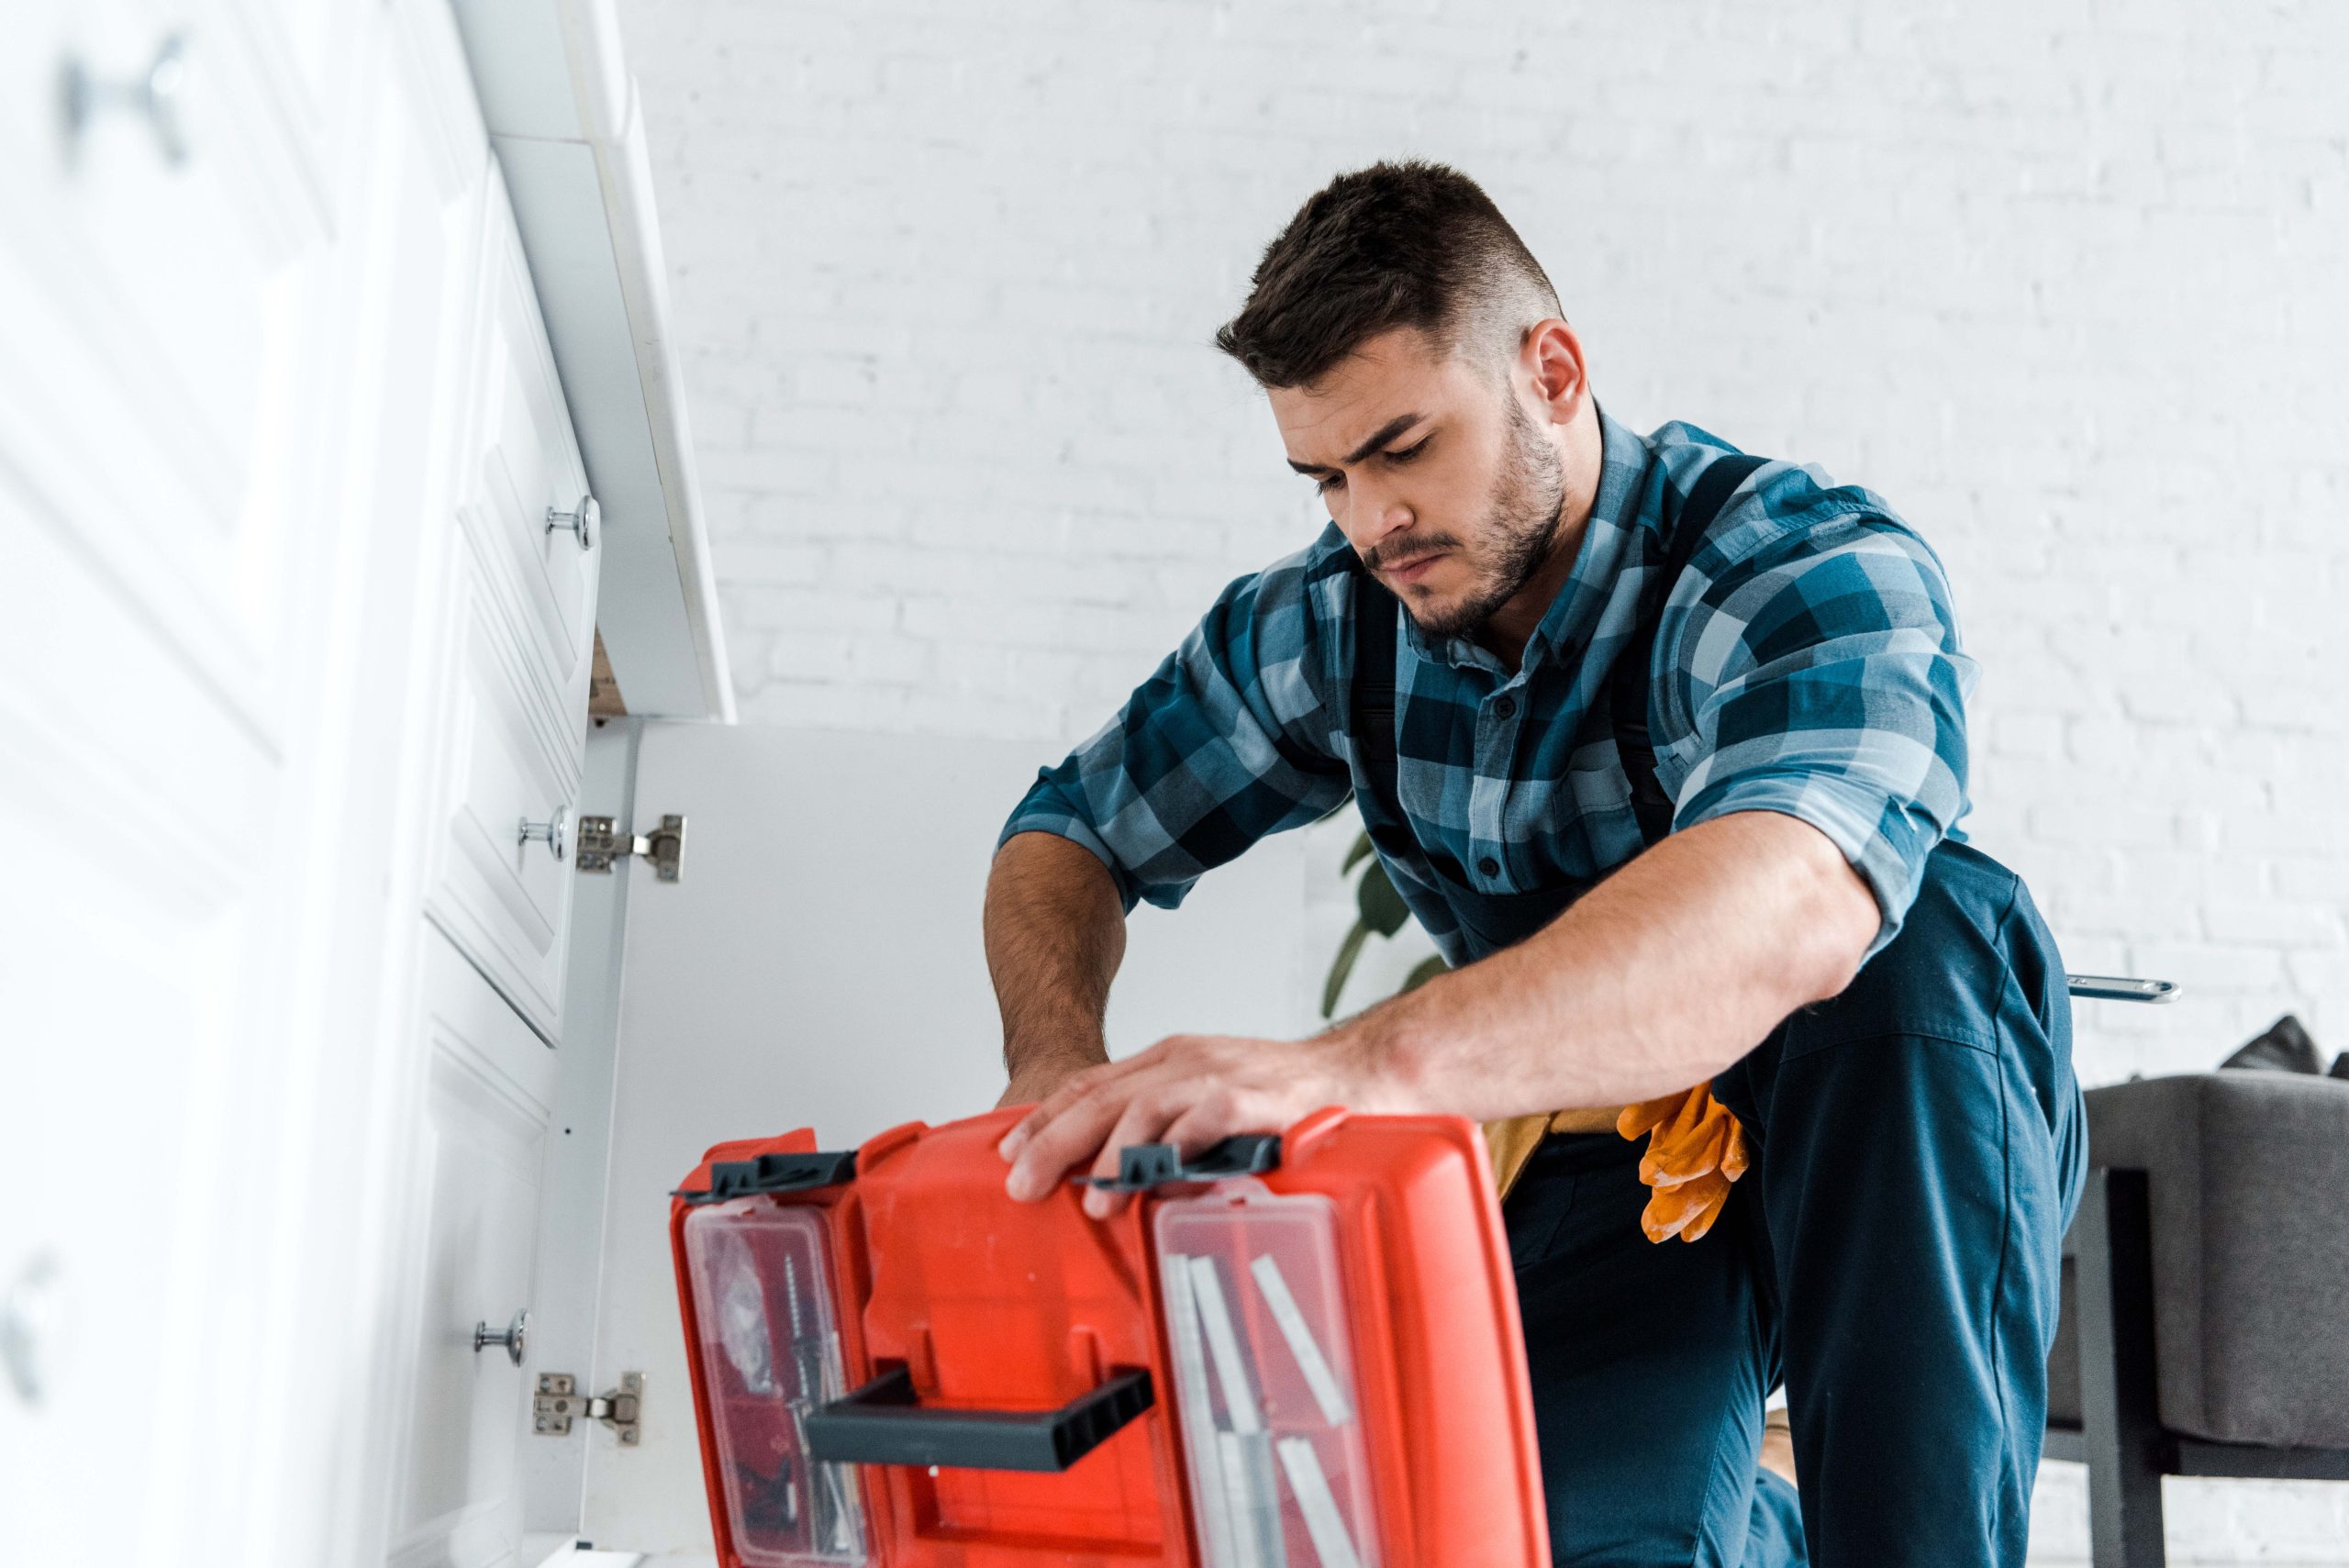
1892, 1256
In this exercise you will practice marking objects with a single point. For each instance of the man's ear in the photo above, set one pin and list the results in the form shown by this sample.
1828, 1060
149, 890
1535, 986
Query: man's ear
1551, 360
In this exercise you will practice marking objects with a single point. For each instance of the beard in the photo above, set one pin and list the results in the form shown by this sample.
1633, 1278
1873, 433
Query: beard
1520, 524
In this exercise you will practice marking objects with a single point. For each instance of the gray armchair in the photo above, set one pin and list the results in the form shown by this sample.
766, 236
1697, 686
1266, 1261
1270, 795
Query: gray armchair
2205, 1327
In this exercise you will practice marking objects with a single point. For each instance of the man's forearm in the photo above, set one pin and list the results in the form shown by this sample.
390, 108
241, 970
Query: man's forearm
1055, 934
1657, 979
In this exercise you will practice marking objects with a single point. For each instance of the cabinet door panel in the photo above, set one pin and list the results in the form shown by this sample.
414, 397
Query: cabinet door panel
510, 756
166, 403
159, 356
121, 1000
529, 466
481, 1148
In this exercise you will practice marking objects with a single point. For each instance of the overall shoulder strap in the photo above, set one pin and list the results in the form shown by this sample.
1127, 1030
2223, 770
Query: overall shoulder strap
1685, 527
1371, 705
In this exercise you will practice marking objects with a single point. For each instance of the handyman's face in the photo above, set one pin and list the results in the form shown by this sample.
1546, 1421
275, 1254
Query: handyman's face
1443, 487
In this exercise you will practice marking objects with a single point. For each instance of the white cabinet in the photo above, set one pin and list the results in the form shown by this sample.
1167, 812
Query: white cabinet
287, 656
291, 662
512, 629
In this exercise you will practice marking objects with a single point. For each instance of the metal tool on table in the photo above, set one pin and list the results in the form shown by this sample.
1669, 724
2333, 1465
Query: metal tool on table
2119, 988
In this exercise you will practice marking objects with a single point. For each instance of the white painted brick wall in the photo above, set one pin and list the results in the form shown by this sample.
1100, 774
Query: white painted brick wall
2066, 280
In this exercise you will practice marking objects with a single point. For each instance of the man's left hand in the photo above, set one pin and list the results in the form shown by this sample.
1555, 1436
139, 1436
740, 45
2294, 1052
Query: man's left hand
1188, 1090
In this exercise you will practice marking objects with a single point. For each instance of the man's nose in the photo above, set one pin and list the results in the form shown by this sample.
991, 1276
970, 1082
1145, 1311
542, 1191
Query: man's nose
1374, 516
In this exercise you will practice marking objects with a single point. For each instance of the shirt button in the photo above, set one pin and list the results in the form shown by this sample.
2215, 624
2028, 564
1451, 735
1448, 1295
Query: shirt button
1504, 707
1490, 866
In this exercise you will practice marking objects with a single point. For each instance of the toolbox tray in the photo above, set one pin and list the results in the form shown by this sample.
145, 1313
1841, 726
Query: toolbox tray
1300, 1352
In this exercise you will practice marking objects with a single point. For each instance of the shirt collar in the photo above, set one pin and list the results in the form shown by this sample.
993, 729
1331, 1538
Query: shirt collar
1608, 543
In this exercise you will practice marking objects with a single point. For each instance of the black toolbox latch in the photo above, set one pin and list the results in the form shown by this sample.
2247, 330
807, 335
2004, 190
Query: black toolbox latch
775, 1173
1142, 1166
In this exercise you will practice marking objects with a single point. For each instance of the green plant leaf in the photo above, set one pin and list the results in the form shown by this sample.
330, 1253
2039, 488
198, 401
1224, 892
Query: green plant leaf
1354, 856
1427, 969
1348, 951
1383, 909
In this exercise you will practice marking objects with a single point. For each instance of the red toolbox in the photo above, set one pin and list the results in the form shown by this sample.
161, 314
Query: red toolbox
1293, 1353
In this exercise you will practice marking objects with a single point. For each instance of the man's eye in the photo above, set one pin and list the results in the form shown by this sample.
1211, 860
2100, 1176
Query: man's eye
1328, 482
1408, 453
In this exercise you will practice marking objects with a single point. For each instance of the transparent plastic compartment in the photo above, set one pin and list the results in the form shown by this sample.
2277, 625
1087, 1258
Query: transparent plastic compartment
1265, 1379
770, 1354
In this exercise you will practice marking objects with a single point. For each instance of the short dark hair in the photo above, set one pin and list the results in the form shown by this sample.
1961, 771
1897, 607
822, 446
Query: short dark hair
1404, 244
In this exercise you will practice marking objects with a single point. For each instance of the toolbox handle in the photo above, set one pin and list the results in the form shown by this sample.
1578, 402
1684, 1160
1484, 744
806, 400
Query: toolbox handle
882, 1423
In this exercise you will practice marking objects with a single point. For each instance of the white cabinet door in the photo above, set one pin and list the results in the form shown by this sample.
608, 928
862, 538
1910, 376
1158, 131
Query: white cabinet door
527, 476
164, 306
510, 757
521, 612
161, 401
479, 1153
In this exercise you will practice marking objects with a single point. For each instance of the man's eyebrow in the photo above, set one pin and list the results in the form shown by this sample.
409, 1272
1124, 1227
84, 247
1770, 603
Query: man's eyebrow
1387, 432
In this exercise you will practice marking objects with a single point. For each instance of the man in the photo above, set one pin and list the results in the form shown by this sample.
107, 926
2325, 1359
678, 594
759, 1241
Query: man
1665, 746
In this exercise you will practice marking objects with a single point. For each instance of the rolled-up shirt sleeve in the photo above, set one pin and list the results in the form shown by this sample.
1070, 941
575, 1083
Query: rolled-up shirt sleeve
1819, 675
1233, 738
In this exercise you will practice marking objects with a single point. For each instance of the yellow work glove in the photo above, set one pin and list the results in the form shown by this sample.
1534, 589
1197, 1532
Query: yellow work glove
1695, 1151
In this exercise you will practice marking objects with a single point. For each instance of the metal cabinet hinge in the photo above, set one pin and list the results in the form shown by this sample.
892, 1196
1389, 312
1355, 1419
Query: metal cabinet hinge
601, 844
559, 1403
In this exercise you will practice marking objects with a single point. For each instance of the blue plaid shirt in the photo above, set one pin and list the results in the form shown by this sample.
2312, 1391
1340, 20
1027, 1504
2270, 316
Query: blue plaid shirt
1807, 663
